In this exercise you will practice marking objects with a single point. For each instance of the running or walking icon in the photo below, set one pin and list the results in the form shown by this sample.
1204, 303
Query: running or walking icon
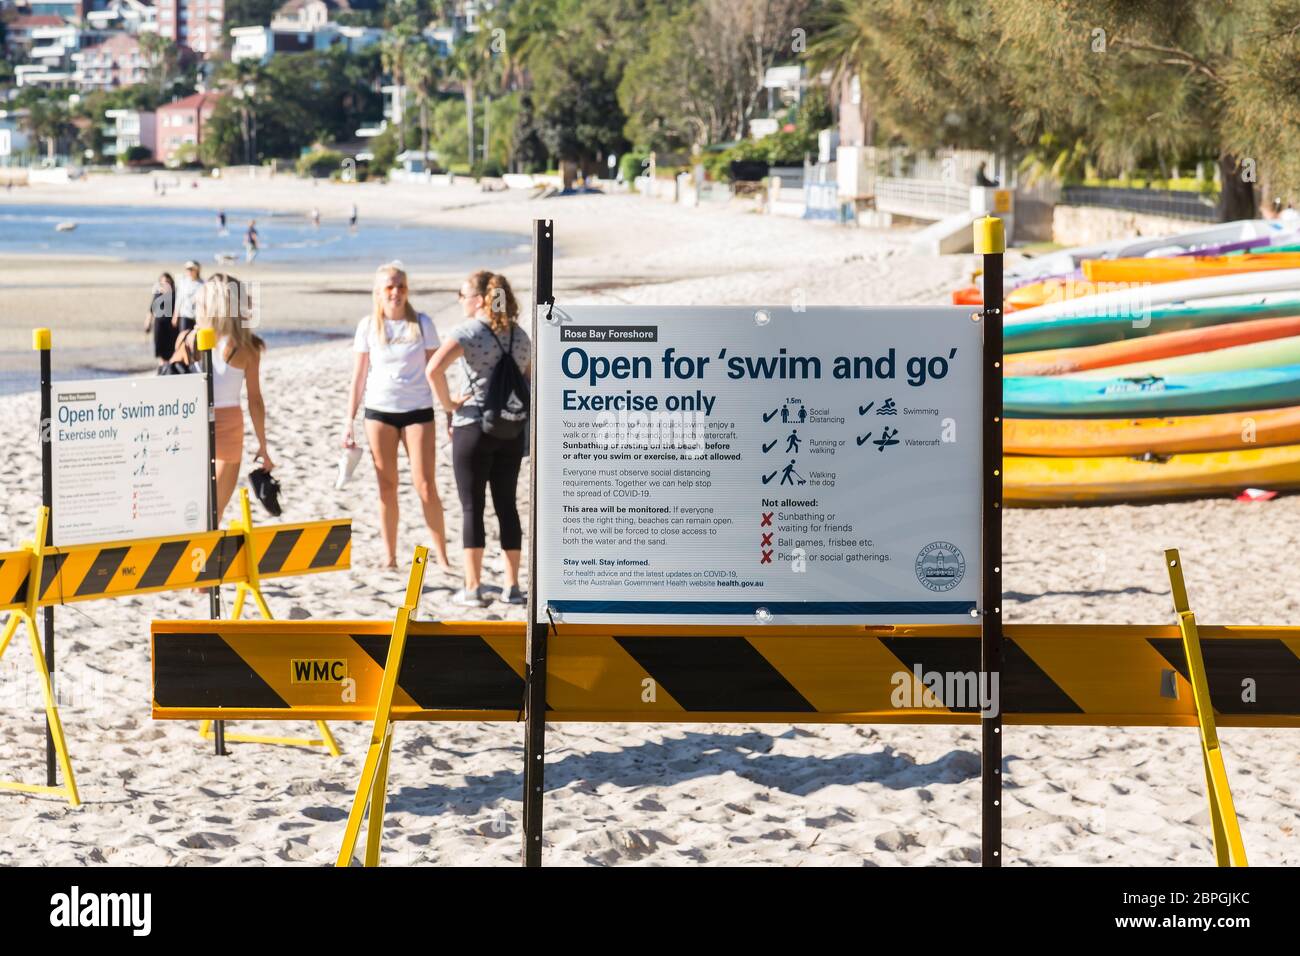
792, 443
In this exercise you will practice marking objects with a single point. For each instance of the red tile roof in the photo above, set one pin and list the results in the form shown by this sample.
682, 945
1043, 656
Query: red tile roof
35, 20
194, 101
118, 43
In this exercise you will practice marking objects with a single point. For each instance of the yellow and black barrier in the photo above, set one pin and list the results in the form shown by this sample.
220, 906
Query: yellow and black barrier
1111, 675
1108, 675
112, 569
242, 555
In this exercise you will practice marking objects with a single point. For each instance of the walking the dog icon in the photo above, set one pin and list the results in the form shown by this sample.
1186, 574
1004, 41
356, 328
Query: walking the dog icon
787, 471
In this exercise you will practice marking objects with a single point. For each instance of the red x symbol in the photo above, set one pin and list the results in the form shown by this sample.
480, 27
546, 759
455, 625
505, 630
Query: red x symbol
767, 519
767, 558
767, 538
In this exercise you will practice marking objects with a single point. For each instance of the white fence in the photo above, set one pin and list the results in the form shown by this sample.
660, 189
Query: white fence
923, 185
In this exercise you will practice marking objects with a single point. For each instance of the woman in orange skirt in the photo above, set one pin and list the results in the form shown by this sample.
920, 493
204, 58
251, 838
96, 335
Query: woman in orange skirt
236, 361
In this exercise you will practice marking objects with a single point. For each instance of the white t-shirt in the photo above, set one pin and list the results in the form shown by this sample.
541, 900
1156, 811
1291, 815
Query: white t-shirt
187, 296
396, 381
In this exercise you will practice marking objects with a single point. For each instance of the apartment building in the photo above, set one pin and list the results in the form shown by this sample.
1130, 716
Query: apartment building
192, 23
130, 128
180, 123
118, 61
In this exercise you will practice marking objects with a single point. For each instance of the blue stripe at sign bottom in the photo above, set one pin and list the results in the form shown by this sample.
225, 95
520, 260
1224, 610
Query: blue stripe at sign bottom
959, 608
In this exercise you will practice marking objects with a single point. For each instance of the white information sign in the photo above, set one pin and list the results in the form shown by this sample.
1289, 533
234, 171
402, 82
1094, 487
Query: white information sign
130, 458
729, 465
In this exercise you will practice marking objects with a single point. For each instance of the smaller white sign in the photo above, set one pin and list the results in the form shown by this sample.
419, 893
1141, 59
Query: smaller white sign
130, 458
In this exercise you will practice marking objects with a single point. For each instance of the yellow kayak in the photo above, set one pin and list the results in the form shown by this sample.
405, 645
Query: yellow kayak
1051, 291
1175, 268
1093, 437
1045, 481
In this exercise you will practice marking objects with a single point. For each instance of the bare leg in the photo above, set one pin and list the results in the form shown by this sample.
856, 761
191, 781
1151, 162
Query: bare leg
383, 449
421, 444
512, 569
227, 479
473, 568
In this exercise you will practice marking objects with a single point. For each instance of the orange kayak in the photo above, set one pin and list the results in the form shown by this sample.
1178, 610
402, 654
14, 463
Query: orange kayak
1112, 437
1162, 346
968, 295
1176, 268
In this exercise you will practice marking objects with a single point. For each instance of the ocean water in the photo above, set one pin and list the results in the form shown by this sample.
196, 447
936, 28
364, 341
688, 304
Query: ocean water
149, 233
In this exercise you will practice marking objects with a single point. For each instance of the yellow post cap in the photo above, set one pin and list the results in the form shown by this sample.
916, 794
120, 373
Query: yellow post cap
41, 340
207, 339
990, 237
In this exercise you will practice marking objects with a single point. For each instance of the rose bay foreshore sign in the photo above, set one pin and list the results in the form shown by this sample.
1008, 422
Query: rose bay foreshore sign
734, 465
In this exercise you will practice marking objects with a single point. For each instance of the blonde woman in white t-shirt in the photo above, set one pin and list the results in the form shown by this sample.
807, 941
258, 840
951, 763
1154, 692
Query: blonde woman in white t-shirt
392, 346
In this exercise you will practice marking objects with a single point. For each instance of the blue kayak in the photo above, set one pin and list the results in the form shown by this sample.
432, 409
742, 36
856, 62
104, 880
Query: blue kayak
1070, 331
1151, 397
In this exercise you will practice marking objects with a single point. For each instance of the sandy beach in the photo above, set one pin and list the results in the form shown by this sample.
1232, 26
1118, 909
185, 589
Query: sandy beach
652, 794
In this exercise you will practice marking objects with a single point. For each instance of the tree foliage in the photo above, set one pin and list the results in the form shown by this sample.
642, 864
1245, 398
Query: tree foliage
699, 78
293, 101
1110, 85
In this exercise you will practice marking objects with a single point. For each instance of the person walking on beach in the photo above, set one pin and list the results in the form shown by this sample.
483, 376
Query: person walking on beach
223, 306
187, 296
221, 222
352, 217
393, 345
250, 241
315, 216
161, 320
480, 460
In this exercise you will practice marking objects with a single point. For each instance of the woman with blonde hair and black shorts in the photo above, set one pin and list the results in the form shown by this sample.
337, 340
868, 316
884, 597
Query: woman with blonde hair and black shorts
392, 345
222, 304
481, 461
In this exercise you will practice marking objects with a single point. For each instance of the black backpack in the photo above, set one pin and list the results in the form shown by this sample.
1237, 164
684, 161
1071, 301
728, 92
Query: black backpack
505, 407
183, 360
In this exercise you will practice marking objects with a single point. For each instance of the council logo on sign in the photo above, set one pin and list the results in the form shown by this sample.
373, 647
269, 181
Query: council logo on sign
940, 566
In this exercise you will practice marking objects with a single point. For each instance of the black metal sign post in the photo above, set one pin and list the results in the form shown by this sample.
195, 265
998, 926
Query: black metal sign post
206, 342
535, 651
990, 242
41, 342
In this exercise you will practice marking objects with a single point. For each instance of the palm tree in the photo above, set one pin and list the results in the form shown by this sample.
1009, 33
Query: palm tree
161, 54
424, 70
242, 81
497, 69
464, 63
397, 45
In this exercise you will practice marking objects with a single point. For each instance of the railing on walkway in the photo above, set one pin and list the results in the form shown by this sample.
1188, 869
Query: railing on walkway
1180, 204
921, 198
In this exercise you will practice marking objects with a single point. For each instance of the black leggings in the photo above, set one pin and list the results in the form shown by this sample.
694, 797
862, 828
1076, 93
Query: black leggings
481, 461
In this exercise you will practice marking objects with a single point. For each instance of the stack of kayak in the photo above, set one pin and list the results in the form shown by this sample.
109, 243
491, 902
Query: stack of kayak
1159, 369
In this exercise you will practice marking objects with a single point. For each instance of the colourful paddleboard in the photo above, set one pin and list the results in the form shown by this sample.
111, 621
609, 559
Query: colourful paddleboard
1174, 268
1211, 240
1271, 354
1137, 299
1072, 331
1083, 437
1068, 397
1041, 481
1164, 345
